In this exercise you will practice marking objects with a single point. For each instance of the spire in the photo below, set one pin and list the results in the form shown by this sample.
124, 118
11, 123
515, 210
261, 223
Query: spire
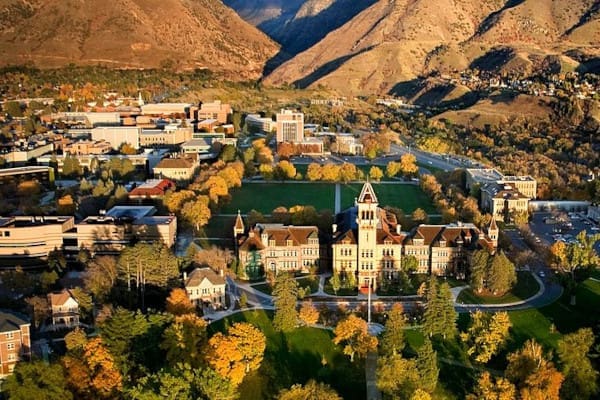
367, 194
238, 228
493, 225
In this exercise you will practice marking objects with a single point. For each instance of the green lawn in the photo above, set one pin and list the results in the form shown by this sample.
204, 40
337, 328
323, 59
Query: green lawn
341, 292
296, 357
526, 287
307, 281
406, 197
265, 197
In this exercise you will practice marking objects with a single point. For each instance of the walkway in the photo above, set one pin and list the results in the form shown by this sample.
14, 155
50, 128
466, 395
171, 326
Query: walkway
371, 376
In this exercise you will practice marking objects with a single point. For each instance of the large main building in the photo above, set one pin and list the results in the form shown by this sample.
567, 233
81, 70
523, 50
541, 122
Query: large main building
367, 242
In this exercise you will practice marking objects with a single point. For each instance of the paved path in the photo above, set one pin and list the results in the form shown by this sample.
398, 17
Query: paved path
371, 376
338, 199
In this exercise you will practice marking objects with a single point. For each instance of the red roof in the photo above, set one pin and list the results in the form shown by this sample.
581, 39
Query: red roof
152, 188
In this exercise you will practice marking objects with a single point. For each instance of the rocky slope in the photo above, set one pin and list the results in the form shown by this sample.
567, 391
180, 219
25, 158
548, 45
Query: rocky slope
132, 33
395, 41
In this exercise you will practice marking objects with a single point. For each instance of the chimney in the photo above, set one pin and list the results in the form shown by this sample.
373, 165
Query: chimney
222, 272
398, 229
334, 228
184, 276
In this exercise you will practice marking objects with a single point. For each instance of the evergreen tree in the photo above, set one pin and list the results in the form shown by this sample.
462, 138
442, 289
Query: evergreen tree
448, 314
431, 317
427, 366
285, 294
392, 339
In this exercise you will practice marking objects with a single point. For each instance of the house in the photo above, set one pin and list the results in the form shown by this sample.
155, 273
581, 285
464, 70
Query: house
277, 248
178, 169
369, 243
205, 288
15, 341
64, 308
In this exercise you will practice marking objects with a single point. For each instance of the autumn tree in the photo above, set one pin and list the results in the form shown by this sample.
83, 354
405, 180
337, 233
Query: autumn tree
101, 276
75, 340
408, 164
238, 352
392, 339
486, 335
533, 375
580, 376
40, 309
314, 172
178, 303
375, 173
196, 212
420, 216
105, 377
285, 294
174, 201
397, 377
184, 340
284, 170
353, 332
37, 380
311, 390
308, 314
216, 188
489, 388
392, 169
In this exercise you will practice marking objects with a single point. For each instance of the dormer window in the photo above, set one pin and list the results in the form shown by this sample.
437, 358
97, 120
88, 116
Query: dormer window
442, 243
272, 242
289, 242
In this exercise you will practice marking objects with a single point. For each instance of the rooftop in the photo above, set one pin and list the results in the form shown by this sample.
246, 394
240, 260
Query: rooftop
11, 321
485, 174
135, 212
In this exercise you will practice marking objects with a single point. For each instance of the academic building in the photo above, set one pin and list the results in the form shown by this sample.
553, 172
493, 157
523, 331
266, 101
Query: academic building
367, 241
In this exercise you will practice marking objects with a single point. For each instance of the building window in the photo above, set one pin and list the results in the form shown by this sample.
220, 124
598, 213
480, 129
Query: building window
10, 335
6, 233
10, 346
12, 357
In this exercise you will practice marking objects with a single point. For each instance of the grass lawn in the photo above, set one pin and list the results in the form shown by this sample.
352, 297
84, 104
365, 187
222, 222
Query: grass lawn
342, 292
526, 287
296, 357
406, 197
265, 197
307, 281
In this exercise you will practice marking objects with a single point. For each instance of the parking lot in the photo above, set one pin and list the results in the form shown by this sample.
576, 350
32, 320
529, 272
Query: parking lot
548, 229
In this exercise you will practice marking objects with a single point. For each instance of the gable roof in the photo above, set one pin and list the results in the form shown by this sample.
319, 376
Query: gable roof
239, 223
11, 321
57, 299
175, 163
367, 194
200, 274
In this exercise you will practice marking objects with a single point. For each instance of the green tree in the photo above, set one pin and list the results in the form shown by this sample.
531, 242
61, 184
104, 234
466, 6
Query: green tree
392, 339
493, 389
486, 335
432, 324
448, 312
427, 366
580, 376
479, 265
397, 377
84, 300
311, 390
285, 294
501, 276
410, 264
184, 340
335, 282
214, 387
37, 380
119, 332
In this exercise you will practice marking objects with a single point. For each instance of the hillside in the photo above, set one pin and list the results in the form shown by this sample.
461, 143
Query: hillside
298, 24
132, 33
395, 41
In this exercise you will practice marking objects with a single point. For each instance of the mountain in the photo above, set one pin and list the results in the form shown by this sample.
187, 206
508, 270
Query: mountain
132, 33
297, 24
393, 42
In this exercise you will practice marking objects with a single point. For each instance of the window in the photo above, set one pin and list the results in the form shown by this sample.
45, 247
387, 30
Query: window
12, 357
6, 233
10, 346
10, 335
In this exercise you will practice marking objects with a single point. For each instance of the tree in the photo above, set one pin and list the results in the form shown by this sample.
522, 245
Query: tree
448, 312
580, 376
217, 258
37, 380
237, 353
501, 275
392, 339
392, 169
184, 340
285, 170
314, 172
178, 303
375, 173
311, 390
285, 294
353, 331
420, 216
486, 335
533, 375
119, 332
420, 394
175, 200
101, 276
408, 165
84, 300
335, 282
410, 264
427, 366
479, 265
196, 212
105, 377
308, 313
493, 389
40, 309
431, 321
228, 153
75, 340
397, 377
48, 279
216, 187
127, 149
214, 387
440, 316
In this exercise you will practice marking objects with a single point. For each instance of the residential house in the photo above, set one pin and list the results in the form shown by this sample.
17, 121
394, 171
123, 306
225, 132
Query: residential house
64, 308
15, 341
205, 288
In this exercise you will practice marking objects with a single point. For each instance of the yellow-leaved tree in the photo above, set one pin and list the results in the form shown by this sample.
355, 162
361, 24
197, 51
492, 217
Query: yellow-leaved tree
354, 333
